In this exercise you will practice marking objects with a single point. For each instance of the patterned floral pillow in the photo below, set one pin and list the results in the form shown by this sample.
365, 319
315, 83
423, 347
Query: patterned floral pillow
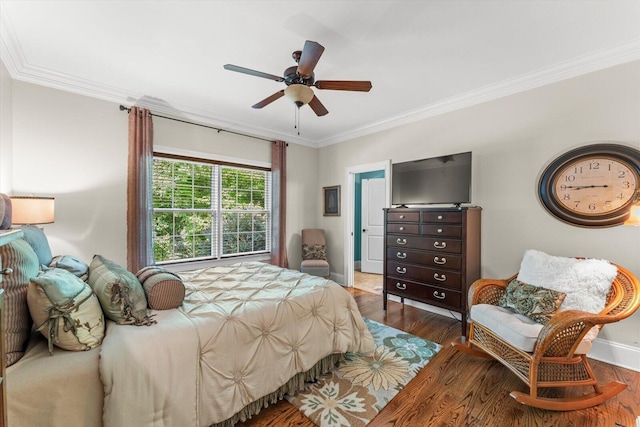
314, 252
535, 302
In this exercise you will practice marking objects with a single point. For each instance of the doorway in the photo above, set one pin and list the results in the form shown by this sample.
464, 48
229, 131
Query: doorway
353, 223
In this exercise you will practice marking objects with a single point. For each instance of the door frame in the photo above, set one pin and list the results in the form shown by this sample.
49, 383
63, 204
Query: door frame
349, 212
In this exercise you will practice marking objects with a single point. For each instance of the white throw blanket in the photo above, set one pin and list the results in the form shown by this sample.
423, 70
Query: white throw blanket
242, 332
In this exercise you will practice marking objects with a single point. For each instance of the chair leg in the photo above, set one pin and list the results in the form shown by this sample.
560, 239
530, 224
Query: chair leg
466, 347
571, 403
599, 395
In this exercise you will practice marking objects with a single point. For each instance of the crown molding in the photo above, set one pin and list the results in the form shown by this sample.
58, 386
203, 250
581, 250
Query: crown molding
19, 69
565, 70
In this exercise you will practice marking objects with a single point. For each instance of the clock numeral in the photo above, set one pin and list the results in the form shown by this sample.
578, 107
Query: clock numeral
566, 197
592, 206
577, 169
569, 178
626, 184
594, 165
607, 204
621, 174
576, 204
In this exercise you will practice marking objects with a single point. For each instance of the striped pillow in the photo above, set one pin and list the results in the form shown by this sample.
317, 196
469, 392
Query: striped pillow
21, 258
164, 290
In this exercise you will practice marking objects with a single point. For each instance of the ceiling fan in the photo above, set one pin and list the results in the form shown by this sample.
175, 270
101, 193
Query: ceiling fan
300, 78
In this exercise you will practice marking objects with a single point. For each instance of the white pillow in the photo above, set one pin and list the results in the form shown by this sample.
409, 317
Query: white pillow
585, 281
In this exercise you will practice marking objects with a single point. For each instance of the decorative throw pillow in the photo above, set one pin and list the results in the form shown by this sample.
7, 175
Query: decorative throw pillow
72, 264
314, 252
20, 257
119, 291
164, 289
35, 237
65, 310
535, 302
585, 281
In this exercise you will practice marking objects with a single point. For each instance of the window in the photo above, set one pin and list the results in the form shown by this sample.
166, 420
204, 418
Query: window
209, 211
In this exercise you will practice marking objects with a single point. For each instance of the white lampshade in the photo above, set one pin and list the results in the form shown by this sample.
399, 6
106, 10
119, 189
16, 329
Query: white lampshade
299, 94
32, 210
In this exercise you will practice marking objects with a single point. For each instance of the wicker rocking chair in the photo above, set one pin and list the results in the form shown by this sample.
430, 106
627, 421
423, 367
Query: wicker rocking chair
557, 359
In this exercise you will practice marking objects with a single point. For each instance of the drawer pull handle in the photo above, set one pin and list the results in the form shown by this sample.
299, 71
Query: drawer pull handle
401, 270
440, 261
401, 255
401, 216
401, 228
440, 245
401, 286
439, 230
401, 241
440, 278
6, 271
439, 216
439, 295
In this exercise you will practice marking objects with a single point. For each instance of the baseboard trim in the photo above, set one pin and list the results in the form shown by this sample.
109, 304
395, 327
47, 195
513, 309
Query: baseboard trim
613, 353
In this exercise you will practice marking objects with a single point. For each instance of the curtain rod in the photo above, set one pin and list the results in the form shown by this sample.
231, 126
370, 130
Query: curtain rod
123, 108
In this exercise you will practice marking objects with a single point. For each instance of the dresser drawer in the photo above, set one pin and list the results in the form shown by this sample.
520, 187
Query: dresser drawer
442, 230
403, 228
439, 277
430, 259
442, 217
425, 293
435, 244
403, 217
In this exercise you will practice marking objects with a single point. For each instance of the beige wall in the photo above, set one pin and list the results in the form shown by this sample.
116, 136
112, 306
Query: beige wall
5, 129
512, 140
75, 148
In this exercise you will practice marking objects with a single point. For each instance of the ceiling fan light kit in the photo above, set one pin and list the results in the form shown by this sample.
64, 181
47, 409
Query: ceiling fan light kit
300, 78
299, 94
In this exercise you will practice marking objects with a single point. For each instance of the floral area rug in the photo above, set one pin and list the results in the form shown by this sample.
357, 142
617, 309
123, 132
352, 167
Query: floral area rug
360, 386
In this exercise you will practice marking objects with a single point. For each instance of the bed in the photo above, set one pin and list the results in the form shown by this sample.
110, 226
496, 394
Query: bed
245, 335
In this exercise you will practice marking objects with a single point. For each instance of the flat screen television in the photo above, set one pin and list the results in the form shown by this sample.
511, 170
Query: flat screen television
436, 180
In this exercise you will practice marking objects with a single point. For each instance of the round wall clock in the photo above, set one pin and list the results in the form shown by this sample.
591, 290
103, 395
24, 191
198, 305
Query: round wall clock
592, 186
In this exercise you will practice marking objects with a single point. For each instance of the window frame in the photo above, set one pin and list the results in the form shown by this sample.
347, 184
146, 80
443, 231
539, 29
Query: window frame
220, 161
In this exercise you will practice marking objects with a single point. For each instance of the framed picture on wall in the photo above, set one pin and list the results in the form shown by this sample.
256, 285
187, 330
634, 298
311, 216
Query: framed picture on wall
331, 200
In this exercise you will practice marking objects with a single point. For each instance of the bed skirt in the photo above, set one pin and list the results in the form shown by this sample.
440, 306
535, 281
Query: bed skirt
291, 387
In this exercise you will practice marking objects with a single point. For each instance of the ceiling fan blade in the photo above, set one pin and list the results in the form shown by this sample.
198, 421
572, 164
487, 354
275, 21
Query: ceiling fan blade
358, 86
310, 56
268, 100
243, 70
317, 106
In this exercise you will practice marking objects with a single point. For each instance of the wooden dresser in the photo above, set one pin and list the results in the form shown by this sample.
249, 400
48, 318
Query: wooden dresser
432, 256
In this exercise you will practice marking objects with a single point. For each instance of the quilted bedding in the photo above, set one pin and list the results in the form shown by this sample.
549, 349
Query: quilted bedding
242, 332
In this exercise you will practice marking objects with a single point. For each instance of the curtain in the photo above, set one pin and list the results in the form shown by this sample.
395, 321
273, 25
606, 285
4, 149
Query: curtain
139, 190
279, 204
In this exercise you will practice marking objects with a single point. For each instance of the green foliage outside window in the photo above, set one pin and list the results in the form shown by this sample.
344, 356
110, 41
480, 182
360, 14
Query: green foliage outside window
186, 211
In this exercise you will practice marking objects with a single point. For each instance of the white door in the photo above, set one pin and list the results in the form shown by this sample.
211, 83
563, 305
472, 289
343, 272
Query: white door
373, 202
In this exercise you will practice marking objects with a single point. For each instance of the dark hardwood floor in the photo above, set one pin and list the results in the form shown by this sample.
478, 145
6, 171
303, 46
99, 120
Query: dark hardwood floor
456, 389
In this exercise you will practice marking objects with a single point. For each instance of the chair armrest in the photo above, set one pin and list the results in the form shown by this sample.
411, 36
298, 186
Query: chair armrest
487, 291
564, 332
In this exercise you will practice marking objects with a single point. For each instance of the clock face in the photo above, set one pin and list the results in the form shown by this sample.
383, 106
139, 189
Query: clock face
592, 186
595, 185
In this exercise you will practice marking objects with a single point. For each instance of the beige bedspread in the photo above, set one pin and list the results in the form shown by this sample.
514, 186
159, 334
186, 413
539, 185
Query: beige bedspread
243, 331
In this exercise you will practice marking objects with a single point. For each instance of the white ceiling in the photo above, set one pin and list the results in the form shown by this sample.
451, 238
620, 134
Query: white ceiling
423, 57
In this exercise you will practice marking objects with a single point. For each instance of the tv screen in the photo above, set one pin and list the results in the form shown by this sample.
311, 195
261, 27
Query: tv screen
436, 180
